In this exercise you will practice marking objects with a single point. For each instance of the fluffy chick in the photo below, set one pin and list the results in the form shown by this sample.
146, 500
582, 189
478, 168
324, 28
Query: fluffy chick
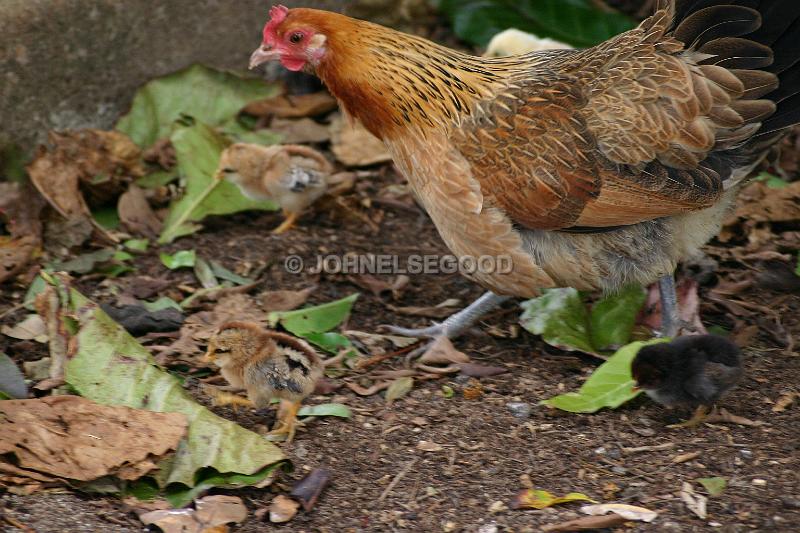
694, 371
267, 364
514, 42
294, 176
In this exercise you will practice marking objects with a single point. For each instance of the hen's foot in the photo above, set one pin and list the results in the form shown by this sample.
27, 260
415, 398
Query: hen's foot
456, 324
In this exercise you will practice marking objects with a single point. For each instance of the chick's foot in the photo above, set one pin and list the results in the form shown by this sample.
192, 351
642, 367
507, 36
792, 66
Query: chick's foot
287, 422
221, 398
699, 416
286, 225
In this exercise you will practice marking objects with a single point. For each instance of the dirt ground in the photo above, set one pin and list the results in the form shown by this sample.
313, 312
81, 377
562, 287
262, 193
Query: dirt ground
383, 481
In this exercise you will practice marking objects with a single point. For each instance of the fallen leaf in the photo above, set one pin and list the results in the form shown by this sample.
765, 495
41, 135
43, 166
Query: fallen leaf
162, 153
136, 215
442, 352
219, 509
399, 388
325, 409
586, 523
172, 520
85, 263
300, 131
138, 320
32, 328
180, 259
688, 306
76, 439
19, 212
610, 385
761, 203
354, 146
224, 274
786, 399
309, 489
629, 512
12, 382
696, 503
317, 319
714, 485
208, 95
473, 390
540, 499
204, 274
284, 300
282, 509
292, 106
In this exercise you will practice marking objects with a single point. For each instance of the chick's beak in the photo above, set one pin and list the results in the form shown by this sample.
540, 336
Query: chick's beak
263, 54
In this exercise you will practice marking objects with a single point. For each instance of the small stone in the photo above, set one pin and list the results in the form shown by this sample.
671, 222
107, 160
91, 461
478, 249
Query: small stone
777, 519
449, 527
747, 454
427, 446
498, 507
600, 451
488, 528
419, 421
644, 432
520, 410
715, 524
758, 482
790, 503
619, 470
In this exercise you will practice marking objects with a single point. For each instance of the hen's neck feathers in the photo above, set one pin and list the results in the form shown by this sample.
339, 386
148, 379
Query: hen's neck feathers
392, 81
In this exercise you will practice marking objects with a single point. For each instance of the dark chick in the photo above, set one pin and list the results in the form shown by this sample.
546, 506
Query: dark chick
692, 371
267, 364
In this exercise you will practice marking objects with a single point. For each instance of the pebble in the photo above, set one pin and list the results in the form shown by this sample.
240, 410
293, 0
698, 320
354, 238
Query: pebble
747, 454
449, 527
790, 503
619, 470
644, 432
758, 482
498, 507
488, 528
520, 410
600, 451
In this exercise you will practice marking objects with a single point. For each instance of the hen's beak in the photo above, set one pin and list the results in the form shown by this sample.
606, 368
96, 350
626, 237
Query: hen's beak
263, 54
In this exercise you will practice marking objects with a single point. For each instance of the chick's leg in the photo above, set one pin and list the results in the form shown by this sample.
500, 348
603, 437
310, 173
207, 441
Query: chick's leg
457, 323
700, 415
221, 398
287, 224
286, 423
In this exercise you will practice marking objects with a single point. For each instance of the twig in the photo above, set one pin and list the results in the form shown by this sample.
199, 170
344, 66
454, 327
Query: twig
655, 448
12, 309
400, 475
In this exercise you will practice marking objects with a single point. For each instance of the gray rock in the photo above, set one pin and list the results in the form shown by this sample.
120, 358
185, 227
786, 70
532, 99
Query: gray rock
77, 63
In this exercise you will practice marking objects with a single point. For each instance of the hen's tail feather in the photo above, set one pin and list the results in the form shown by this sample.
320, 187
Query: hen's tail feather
758, 41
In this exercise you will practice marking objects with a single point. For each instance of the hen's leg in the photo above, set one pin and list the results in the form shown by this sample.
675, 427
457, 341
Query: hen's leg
457, 323
286, 423
287, 224
670, 321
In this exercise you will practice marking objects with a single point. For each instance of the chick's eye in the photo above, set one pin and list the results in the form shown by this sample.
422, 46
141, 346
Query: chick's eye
296, 37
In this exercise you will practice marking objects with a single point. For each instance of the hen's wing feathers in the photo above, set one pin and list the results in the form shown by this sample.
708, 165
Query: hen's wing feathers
639, 127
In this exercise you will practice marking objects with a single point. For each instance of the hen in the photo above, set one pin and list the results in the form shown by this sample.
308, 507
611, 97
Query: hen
694, 371
593, 168
293, 176
267, 364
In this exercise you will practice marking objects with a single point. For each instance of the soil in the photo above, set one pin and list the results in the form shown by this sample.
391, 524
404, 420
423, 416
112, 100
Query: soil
383, 481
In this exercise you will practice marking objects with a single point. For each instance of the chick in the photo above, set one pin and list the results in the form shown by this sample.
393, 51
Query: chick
514, 42
267, 364
693, 371
293, 176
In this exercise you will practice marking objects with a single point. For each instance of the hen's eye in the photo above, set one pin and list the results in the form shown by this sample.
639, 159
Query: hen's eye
296, 37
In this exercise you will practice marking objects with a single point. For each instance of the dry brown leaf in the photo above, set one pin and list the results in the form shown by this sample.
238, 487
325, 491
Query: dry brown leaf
696, 503
480, 371
761, 203
688, 307
74, 438
782, 403
442, 352
354, 146
300, 131
629, 512
473, 390
308, 489
292, 106
103, 163
586, 523
219, 509
32, 328
284, 300
367, 391
136, 215
20, 206
162, 153
172, 520
282, 509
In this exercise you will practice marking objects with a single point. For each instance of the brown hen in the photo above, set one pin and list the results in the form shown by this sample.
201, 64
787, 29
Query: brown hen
593, 168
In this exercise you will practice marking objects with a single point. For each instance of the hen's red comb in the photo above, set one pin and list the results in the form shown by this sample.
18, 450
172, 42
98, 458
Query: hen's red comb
277, 14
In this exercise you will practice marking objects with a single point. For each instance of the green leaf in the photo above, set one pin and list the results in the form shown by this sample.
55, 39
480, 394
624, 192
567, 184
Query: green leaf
137, 245
797, 268
121, 255
179, 495
204, 274
204, 93
326, 409
240, 133
329, 341
181, 259
610, 385
399, 388
198, 150
12, 163
612, 319
772, 181
560, 317
84, 263
447, 391
144, 489
165, 302
159, 178
12, 382
577, 22
36, 287
714, 485
223, 273
110, 367
317, 319
107, 217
